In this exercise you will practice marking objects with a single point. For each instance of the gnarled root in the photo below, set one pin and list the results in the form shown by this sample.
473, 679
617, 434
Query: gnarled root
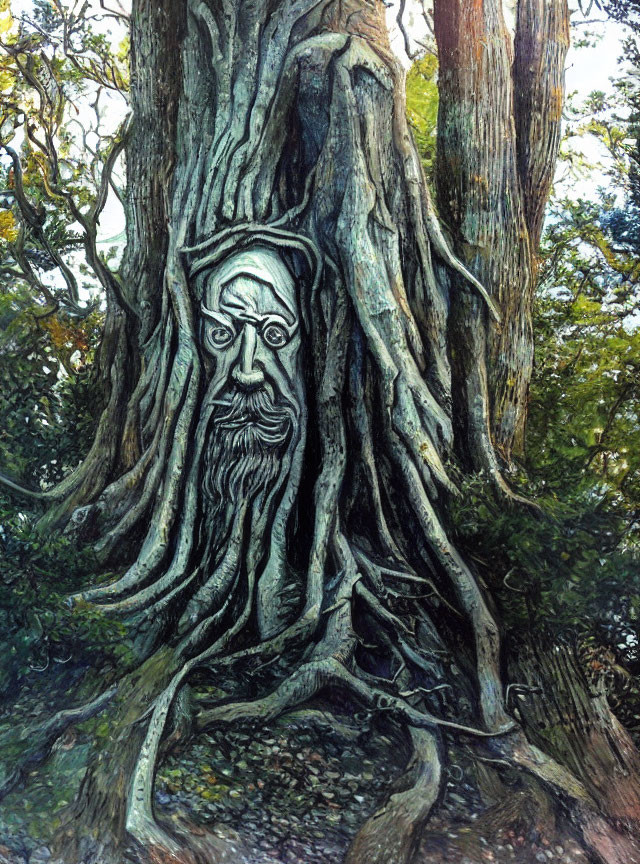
392, 834
99, 808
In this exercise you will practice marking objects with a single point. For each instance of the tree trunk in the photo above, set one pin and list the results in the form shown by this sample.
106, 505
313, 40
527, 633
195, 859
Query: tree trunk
569, 718
301, 359
498, 136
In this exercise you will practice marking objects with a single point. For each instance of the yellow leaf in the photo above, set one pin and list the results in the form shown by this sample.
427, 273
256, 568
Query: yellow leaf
6, 21
8, 229
7, 79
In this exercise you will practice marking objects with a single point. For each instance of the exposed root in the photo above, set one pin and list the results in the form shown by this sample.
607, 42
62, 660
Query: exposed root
442, 248
294, 636
402, 576
327, 668
392, 621
606, 843
22, 490
298, 688
396, 706
140, 820
391, 835
324, 720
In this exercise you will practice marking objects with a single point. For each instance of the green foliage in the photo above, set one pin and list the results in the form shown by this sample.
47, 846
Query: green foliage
585, 401
48, 395
39, 628
60, 78
569, 571
59, 73
422, 108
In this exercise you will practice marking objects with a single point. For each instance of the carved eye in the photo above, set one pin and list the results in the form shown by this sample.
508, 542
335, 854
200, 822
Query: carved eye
275, 336
221, 336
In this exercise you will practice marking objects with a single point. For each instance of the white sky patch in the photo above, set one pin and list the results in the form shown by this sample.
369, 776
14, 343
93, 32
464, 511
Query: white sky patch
590, 69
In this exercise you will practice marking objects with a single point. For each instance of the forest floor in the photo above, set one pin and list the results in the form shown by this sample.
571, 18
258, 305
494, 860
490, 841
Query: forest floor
294, 792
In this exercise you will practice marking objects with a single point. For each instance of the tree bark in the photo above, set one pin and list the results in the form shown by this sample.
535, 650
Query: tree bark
493, 178
569, 718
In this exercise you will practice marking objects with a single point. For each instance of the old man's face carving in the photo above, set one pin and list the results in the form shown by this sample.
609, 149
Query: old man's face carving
251, 335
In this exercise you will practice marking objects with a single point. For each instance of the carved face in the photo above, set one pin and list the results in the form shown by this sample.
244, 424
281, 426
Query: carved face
251, 325
251, 335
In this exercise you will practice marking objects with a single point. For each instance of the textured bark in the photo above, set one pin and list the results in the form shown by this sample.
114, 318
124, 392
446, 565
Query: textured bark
498, 137
102, 799
283, 129
155, 61
541, 43
564, 716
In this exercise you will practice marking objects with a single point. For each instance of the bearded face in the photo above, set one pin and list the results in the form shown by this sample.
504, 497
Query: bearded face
251, 336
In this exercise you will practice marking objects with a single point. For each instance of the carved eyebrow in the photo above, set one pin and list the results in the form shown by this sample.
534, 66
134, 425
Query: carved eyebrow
274, 318
218, 317
240, 311
247, 315
233, 304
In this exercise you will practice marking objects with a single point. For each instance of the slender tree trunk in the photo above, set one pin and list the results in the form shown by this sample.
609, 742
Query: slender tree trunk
498, 136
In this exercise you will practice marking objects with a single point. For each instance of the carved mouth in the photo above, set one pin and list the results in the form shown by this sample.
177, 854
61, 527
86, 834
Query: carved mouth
254, 418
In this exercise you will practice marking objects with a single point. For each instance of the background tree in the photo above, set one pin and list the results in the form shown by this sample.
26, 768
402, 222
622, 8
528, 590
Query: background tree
493, 182
285, 127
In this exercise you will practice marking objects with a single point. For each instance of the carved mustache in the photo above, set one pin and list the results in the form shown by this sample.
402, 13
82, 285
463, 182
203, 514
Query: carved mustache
238, 410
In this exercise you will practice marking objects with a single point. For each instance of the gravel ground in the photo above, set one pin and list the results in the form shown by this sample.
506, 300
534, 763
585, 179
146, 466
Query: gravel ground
294, 795
296, 792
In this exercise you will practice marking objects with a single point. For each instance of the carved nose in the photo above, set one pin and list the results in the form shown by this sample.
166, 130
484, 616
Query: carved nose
245, 373
248, 380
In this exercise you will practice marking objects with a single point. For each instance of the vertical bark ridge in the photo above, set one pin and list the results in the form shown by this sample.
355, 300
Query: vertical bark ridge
492, 194
480, 200
540, 49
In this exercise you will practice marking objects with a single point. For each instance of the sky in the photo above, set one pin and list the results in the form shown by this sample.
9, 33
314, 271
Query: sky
588, 69
591, 68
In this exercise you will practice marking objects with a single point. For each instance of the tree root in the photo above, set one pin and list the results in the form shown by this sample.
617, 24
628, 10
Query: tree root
391, 835
22, 490
379, 700
605, 843
324, 720
298, 688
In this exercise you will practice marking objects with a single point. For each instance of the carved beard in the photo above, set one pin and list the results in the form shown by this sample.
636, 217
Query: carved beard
250, 433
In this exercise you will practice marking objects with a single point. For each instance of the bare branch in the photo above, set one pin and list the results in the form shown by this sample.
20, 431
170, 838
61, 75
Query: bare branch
400, 22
